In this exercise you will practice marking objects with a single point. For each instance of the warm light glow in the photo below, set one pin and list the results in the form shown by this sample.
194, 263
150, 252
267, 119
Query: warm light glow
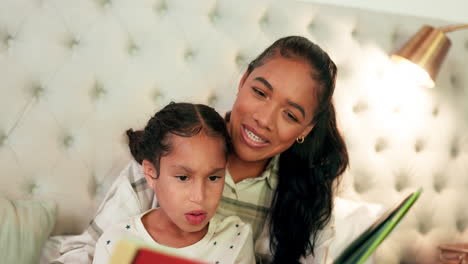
399, 105
412, 73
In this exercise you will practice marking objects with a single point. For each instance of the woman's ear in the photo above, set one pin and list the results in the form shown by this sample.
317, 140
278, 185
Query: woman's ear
307, 130
150, 172
244, 78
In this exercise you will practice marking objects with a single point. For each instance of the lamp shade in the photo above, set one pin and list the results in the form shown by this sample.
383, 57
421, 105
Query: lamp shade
427, 49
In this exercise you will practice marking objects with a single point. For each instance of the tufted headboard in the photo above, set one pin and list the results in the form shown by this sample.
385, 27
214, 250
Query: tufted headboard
74, 75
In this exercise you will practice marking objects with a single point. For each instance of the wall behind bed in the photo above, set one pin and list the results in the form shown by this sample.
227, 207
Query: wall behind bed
74, 75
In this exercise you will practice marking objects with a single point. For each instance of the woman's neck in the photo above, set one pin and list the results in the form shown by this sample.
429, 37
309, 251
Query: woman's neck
240, 169
167, 233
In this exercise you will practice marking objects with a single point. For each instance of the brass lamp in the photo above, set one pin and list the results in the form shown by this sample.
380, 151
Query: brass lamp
425, 52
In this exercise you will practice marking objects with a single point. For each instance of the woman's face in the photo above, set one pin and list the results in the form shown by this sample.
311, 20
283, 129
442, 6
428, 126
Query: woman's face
190, 182
274, 106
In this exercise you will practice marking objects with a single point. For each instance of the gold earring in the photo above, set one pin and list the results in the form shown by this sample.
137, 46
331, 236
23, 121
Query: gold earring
300, 140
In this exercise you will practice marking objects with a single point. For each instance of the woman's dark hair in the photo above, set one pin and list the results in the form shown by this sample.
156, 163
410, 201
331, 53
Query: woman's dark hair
181, 119
303, 200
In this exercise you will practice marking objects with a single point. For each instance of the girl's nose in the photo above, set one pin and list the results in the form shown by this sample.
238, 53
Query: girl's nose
197, 193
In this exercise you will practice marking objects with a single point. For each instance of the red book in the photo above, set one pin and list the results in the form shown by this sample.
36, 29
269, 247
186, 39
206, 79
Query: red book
131, 252
146, 256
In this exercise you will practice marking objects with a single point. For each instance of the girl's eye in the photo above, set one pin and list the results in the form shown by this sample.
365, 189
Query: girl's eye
258, 92
214, 178
182, 177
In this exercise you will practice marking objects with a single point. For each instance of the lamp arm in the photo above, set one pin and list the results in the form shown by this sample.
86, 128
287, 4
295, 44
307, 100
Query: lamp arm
453, 28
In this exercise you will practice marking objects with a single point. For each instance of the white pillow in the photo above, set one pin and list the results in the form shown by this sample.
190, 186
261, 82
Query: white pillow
25, 225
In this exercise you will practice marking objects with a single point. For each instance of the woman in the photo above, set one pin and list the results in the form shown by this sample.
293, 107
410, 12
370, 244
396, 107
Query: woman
288, 154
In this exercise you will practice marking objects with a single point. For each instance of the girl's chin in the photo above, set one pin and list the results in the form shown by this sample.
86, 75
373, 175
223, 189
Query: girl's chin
195, 229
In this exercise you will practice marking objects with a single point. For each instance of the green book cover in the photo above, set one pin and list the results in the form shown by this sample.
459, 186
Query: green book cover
363, 246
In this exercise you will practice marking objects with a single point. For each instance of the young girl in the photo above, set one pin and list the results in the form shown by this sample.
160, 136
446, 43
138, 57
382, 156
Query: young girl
183, 151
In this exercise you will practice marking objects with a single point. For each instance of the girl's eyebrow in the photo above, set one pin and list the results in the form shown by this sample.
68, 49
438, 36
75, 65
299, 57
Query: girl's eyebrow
187, 169
182, 167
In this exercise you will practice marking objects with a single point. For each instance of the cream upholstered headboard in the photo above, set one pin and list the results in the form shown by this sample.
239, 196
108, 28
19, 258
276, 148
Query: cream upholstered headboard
74, 75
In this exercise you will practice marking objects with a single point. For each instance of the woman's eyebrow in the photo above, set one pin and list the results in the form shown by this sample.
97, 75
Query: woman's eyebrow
298, 107
265, 82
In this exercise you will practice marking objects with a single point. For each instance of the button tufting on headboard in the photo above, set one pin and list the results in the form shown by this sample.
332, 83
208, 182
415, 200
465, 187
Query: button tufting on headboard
3, 138
212, 99
425, 225
439, 182
264, 20
157, 96
240, 60
133, 49
72, 43
355, 33
401, 182
362, 182
419, 146
214, 16
380, 145
104, 3
454, 81
8, 40
435, 111
97, 91
462, 223
31, 188
93, 186
67, 141
161, 8
455, 149
189, 55
359, 107
37, 91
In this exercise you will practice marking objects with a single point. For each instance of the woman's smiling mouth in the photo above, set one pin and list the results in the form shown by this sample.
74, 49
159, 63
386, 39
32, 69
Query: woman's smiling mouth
253, 139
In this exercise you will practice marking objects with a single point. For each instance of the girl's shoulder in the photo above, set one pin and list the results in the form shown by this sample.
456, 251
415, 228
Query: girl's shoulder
230, 227
112, 236
129, 228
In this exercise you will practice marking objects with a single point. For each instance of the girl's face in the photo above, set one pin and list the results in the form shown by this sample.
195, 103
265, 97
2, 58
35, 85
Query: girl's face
274, 106
191, 181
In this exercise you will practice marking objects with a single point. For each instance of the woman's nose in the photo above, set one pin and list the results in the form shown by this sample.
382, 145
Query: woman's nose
264, 117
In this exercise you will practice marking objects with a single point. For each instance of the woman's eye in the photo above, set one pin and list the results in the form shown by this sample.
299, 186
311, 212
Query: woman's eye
292, 117
182, 177
214, 178
258, 92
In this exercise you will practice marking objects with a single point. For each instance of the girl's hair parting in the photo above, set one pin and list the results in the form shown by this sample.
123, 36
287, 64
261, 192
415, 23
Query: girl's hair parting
180, 119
